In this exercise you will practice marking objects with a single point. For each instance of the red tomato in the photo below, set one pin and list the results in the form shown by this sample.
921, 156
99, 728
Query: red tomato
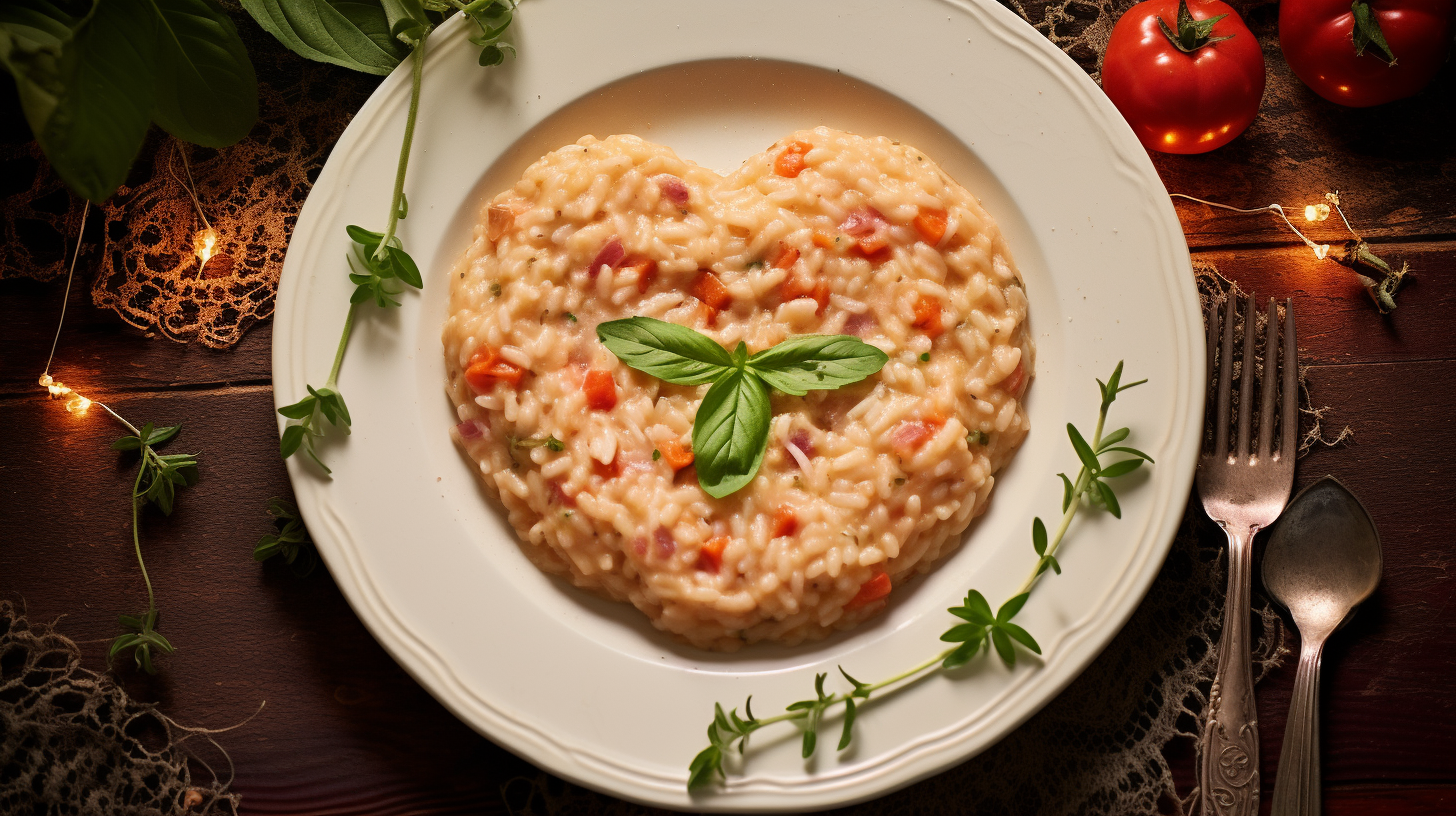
1334, 51
1190, 95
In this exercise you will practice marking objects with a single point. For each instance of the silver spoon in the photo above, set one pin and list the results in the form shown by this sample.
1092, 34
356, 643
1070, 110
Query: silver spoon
1322, 561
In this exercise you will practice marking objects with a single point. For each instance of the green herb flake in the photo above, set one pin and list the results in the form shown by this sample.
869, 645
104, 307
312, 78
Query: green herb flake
571, 317
925, 357
656, 454
977, 438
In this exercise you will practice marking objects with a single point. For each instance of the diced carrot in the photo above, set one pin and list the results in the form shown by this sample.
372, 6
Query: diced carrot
931, 225
784, 522
795, 287
790, 163
786, 258
611, 470
872, 245
710, 556
927, 316
646, 270
1016, 380
825, 241
910, 434
870, 591
487, 368
821, 295
711, 291
601, 390
675, 454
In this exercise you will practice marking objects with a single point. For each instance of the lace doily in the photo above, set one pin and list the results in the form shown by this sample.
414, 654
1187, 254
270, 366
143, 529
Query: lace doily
72, 742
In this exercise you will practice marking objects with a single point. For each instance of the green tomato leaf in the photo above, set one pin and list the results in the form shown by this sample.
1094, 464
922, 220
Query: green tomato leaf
812, 362
354, 35
667, 351
730, 432
207, 92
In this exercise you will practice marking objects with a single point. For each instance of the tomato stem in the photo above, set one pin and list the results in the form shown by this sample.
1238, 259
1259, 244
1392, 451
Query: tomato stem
1192, 34
1367, 33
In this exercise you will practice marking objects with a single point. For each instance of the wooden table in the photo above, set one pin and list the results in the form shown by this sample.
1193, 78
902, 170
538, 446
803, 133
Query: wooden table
346, 731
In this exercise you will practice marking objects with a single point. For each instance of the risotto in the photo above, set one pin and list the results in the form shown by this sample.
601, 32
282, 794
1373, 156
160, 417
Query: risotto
823, 233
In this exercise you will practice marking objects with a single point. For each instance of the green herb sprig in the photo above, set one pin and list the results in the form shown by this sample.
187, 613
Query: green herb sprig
730, 430
290, 542
159, 475
373, 38
979, 628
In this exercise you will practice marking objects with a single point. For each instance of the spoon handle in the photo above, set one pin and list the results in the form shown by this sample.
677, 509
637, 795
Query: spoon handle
1229, 778
1297, 785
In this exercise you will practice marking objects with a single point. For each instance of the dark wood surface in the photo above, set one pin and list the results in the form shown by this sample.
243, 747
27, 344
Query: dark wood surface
346, 731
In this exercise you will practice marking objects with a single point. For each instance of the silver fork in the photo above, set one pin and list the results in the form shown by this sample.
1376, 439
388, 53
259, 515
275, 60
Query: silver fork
1244, 491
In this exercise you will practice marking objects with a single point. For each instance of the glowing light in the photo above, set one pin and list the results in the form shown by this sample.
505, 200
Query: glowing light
1170, 138
79, 405
1316, 212
1321, 250
204, 245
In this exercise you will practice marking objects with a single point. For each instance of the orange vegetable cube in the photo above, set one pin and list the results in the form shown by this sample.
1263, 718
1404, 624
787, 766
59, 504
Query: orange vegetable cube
487, 368
646, 270
784, 522
711, 291
931, 225
786, 258
710, 557
870, 591
790, 163
601, 390
675, 454
825, 241
928, 316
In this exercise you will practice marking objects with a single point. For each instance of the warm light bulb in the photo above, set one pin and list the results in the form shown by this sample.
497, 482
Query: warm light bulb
203, 244
1321, 250
79, 405
1316, 212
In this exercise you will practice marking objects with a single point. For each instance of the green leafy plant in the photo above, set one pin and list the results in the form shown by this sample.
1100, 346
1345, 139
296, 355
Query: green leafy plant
92, 77
372, 37
290, 540
978, 629
159, 475
730, 430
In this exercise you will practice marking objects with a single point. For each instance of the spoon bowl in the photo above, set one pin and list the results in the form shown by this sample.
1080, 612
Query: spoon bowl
1322, 561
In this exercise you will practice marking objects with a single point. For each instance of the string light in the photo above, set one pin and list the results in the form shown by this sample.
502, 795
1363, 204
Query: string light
204, 241
1380, 279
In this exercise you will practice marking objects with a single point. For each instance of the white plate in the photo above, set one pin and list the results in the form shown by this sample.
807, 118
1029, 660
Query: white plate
587, 688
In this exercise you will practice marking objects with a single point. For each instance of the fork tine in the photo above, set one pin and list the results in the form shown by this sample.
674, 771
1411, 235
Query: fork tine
1246, 382
1289, 394
1268, 385
1225, 380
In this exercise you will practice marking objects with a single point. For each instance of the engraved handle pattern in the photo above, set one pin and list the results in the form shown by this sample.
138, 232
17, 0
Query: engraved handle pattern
1229, 778
1297, 787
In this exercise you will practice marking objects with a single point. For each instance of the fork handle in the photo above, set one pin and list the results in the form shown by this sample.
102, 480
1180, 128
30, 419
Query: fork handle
1229, 778
1297, 786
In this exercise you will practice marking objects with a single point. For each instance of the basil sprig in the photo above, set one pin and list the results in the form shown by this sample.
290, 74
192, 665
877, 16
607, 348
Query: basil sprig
730, 431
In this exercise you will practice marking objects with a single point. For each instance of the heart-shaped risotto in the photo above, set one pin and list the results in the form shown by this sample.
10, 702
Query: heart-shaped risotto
824, 233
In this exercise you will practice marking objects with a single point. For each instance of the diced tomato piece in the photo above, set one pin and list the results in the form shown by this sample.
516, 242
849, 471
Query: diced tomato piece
872, 245
664, 545
909, 435
784, 522
931, 225
558, 495
601, 390
870, 591
610, 255
708, 314
611, 470
795, 287
786, 258
487, 368
710, 556
711, 291
1016, 380
825, 241
790, 163
675, 454
864, 221
646, 270
928, 317
498, 220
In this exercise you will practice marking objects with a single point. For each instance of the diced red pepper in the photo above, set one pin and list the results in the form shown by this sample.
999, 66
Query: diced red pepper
910, 434
675, 454
786, 258
601, 390
487, 368
931, 225
710, 556
1016, 380
790, 163
646, 270
784, 522
611, 470
711, 291
870, 591
927, 316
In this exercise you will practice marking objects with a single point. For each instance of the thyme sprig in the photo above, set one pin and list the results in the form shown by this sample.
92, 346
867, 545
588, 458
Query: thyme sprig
159, 475
290, 541
978, 628
380, 268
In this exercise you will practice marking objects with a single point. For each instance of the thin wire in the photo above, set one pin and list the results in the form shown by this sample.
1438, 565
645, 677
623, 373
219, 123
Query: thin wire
1274, 208
67, 297
1336, 201
190, 185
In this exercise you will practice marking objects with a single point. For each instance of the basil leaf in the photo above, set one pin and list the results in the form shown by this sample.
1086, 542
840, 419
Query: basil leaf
667, 351
207, 92
730, 432
812, 362
354, 35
